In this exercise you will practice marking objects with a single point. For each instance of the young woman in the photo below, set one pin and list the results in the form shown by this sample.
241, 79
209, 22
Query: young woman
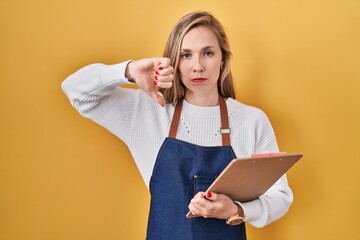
182, 137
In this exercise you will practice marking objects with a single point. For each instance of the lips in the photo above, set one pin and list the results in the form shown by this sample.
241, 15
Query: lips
199, 80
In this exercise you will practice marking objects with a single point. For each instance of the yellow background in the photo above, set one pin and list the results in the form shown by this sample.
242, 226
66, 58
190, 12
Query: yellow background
64, 177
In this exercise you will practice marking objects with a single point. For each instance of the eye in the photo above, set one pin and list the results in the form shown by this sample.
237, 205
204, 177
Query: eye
185, 55
209, 53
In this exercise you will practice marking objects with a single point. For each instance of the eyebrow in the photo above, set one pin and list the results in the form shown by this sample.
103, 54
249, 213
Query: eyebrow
189, 50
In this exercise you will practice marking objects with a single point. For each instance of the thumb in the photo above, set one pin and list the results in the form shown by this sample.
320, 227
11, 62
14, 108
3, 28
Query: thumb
210, 196
156, 96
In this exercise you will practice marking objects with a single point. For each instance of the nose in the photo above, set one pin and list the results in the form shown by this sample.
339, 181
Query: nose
198, 67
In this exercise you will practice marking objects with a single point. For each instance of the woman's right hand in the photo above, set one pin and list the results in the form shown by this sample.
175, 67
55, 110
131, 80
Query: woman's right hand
144, 71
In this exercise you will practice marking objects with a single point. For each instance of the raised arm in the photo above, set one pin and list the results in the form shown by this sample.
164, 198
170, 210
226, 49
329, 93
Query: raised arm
94, 91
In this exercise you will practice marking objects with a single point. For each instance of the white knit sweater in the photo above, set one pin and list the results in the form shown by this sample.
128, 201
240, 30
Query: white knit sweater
143, 124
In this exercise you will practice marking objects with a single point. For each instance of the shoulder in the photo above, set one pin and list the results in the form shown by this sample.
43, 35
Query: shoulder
236, 108
139, 106
151, 111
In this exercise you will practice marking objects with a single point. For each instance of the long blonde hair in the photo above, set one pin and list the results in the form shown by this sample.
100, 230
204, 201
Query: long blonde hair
173, 47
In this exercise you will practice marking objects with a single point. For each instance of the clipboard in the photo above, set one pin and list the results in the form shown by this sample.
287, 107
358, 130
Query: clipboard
245, 179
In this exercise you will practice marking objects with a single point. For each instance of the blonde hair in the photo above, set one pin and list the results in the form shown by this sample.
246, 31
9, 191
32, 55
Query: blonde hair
173, 48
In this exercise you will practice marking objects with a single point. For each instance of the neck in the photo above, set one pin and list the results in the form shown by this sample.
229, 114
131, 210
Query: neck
206, 100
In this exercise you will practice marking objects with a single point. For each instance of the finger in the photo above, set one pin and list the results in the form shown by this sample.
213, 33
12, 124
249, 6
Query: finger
196, 204
199, 195
161, 63
156, 96
164, 84
202, 207
199, 201
195, 210
166, 78
164, 63
165, 71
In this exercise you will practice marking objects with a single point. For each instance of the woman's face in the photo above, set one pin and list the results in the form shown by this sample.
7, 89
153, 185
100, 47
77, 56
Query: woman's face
200, 62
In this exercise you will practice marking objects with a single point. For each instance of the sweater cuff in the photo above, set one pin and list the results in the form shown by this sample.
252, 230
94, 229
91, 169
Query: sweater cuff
114, 73
253, 212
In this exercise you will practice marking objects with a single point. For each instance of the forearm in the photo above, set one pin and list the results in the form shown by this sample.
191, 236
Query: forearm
94, 92
275, 202
86, 87
270, 206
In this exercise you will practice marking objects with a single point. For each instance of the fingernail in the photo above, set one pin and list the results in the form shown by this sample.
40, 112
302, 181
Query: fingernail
160, 68
209, 195
156, 77
157, 73
155, 82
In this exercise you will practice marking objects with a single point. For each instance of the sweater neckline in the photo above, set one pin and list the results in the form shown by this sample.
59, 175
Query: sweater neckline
200, 110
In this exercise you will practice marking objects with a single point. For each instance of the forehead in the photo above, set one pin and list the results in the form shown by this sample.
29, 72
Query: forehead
199, 37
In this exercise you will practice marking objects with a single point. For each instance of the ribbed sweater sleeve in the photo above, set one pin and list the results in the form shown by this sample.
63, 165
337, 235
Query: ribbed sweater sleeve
94, 92
130, 114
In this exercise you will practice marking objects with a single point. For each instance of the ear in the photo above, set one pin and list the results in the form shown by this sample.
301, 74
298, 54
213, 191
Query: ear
222, 64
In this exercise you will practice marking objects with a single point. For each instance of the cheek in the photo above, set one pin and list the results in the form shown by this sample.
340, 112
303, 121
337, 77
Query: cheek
216, 67
181, 72
182, 69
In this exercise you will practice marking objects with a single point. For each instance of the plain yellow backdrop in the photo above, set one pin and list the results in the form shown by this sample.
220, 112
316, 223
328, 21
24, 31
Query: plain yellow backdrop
64, 177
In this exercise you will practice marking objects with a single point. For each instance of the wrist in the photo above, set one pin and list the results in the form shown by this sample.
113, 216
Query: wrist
234, 210
238, 217
240, 209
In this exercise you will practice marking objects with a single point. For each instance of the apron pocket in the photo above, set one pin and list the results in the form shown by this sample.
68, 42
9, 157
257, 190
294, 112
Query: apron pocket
202, 183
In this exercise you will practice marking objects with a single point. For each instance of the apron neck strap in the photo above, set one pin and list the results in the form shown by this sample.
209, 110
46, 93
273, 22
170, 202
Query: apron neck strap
224, 130
176, 118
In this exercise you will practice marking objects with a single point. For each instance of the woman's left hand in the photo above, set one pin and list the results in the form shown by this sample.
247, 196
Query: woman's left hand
212, 205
